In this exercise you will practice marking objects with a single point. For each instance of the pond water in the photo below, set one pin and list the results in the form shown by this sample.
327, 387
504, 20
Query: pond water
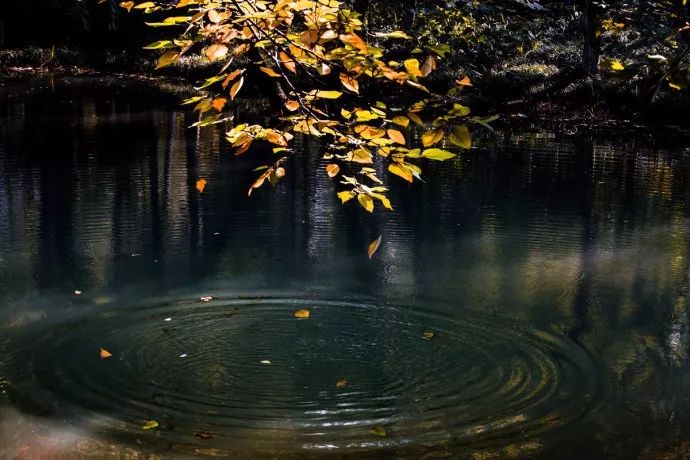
552, 271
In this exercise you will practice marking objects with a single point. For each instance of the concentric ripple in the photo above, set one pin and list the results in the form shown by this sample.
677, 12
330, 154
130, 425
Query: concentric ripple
245, 374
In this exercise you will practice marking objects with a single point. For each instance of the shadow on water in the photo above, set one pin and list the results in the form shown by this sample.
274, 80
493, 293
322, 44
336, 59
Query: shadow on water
552, 272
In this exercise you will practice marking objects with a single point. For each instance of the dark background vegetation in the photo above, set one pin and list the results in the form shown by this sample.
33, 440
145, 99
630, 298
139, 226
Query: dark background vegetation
539, 55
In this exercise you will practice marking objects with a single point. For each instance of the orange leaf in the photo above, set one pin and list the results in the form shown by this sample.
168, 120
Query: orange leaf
287, 62
231, 77
215, 52
200, 185
349, 82
332, 169
374, 246
276, 138
302, 314
341, 383
219, 103
464, 82
236, 88
270, 72
396, 136
105, 354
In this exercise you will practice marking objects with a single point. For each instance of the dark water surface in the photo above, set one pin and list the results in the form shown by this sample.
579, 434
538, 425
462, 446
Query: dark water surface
552, 270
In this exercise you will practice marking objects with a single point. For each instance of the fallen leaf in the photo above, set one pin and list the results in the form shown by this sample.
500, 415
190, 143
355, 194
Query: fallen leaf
200, 185
432, 136
204, 435
463, 82
265, 361
378, 431
206, 298
150, 424
341, 383
428, 335
105, 354
617, 65
302, 314
374, 246
77, 292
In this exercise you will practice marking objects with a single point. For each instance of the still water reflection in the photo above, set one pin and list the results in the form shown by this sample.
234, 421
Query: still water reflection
553, 272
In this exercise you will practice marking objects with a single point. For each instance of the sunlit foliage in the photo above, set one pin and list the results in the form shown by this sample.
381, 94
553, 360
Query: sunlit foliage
333, 82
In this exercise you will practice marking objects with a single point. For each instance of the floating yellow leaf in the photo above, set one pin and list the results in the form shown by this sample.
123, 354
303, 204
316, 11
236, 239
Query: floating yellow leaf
428, 335
366, 201
149, 425
374, 246
431, 137
341, 383
414, 117
200, 185
105, 354
360, 155
378, 431
332, 169
302, 314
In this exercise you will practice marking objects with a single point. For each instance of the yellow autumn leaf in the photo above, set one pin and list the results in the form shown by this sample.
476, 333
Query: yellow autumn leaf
302, 314
360, 155
374, 246
401, 121
460, 136
366, 201
149, 425
345, 196
400, 170
617, 65
167, 58
292, 105
412, 66
414, 117
328, 94
437, 154
342, 383
332, 169
428, 335
432, 136
104, 354
200, 185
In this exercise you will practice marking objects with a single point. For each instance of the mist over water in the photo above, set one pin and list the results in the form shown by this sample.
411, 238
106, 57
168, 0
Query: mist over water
552, 271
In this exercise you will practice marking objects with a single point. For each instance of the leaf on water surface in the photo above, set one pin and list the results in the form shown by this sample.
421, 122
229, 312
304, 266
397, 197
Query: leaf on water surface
201, 185
378, 431
265, 361
105, 354
332, 170
149, 425
204, 435
374, 246
342, 383
428, 335
77, 292
302, 314
206, 298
